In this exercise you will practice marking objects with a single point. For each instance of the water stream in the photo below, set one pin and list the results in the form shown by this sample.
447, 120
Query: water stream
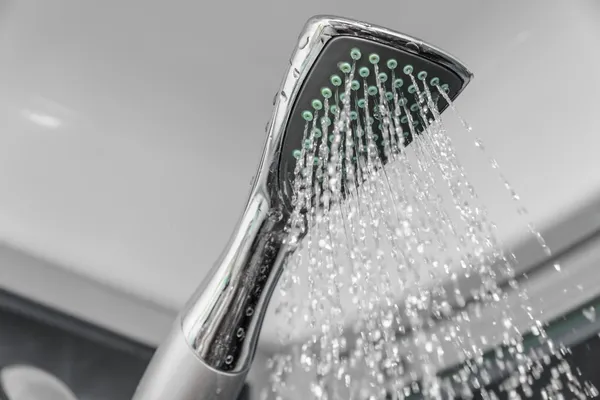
400, 232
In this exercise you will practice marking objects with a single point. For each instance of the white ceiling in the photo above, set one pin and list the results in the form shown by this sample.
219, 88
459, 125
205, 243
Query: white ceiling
129, 131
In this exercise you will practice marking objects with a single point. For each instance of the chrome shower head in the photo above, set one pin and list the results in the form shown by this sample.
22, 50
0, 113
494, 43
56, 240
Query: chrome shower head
332, 48
212, 343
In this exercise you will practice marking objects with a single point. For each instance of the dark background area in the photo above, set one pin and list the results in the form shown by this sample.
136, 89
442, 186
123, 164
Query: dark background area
585, 365
96, 364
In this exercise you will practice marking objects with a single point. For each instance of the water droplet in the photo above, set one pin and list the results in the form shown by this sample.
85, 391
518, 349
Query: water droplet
591, 390
429, 347
590, 313
557, 267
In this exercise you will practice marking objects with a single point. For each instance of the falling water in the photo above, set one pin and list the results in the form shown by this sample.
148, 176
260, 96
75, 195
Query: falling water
494, 164
404, 220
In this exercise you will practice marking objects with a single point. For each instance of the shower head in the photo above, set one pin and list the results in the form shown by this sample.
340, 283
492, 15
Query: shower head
330, 49
211, 346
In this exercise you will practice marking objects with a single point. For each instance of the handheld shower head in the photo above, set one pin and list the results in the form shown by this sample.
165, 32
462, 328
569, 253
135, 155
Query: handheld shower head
212, 343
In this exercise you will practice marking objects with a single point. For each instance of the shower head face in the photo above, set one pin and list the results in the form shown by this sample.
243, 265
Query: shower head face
330, 51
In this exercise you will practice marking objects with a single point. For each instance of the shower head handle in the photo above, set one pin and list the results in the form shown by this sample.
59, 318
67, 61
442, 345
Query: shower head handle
212, 343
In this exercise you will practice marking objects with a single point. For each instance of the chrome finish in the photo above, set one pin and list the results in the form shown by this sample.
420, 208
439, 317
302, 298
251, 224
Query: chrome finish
222, 320
221, 323
176, 373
